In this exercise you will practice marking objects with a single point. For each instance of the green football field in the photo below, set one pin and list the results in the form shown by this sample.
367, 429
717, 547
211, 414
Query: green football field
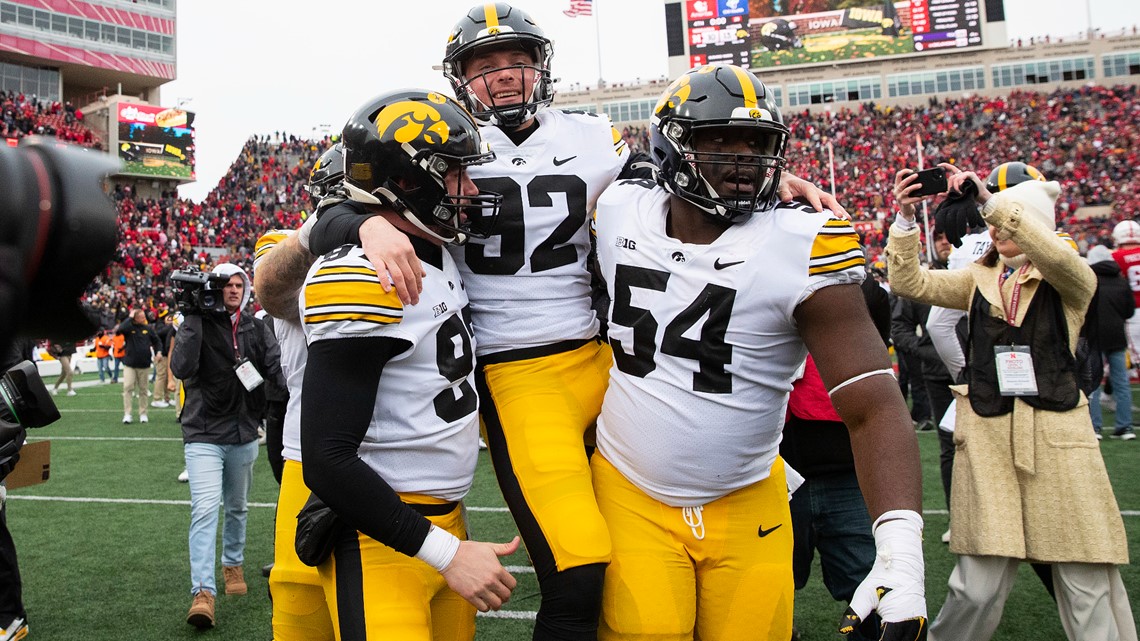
103, 548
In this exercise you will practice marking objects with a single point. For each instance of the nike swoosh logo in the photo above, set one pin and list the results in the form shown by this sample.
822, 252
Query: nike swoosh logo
559, 163
719, 265
763, 533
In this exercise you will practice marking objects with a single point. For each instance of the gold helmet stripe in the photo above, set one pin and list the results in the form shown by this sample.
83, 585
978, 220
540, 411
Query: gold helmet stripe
745, 86
1034, 174
1003, 171
491, 14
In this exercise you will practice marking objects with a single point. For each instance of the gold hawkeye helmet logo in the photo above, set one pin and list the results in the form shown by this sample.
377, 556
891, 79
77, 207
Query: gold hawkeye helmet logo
408, 120
675, 95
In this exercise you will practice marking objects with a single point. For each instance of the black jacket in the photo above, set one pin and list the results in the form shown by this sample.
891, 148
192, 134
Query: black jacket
908, 331
140, 340
1115, 304
218, 409
165, 333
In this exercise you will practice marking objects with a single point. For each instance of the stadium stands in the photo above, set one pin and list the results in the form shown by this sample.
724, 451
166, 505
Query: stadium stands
1089, 139
22, 115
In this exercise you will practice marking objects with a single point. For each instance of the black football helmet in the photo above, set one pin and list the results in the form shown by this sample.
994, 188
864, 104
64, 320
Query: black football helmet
327, 174
733, 100
398, 149
1008, 174
499, 25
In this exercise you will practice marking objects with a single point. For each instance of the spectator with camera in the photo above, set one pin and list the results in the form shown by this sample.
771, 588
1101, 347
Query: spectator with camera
139, 343
1025, 448
226, 359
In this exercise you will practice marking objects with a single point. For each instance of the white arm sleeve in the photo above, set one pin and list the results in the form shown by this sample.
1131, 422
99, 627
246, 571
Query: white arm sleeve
941, 327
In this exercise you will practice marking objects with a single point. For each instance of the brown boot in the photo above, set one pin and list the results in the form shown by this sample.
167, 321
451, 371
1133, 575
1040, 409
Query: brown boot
235, 580
201, 613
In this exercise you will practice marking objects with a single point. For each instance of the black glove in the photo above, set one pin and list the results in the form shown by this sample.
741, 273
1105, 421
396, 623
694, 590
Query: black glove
958, 214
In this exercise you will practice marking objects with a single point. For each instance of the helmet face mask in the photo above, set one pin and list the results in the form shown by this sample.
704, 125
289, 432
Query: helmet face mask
499, 28
719, 140
408, 150
733, 179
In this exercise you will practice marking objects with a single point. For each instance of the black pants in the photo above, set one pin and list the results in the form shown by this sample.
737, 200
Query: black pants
11, 604
940, 399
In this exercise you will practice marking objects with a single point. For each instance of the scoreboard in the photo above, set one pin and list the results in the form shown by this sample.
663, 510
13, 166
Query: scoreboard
718, 32
760, 34
941, 24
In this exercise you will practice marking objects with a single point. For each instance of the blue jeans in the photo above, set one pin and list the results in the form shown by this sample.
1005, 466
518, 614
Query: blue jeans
830, 515
217, 473
1121, 393
104, 368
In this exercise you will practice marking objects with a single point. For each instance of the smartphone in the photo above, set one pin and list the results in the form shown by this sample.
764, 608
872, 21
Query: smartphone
933, 182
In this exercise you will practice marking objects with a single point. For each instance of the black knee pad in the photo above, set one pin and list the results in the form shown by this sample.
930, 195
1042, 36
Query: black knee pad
571, 604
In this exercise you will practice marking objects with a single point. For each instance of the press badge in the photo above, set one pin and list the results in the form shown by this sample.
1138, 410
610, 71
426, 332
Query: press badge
1015, 371
248, 375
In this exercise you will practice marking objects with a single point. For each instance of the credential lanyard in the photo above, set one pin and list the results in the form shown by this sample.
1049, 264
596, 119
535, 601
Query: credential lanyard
236, 322
1014, 297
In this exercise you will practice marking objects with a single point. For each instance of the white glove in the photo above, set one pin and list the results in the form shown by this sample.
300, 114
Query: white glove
305, 229
895, 586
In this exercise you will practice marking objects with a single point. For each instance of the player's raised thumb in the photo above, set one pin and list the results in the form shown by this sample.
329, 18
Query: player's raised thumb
862, 602
506, 549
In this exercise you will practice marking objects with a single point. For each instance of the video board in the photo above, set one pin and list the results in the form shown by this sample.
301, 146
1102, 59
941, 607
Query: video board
776, 33
155, 142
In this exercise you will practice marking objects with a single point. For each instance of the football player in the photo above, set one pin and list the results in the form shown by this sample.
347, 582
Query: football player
1126, 237
300, 612
542, 367
389, 423
719, 291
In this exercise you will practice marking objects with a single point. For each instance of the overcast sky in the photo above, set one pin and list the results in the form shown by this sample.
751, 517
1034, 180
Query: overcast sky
250, 68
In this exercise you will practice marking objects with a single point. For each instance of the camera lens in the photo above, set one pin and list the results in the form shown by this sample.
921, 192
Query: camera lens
59, 226
24, 399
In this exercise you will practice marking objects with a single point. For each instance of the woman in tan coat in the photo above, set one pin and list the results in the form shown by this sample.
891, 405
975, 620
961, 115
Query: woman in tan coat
1029, 482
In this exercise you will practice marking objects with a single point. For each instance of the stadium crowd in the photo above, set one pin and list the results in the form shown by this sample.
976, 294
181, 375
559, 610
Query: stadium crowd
22, 115
1088, 139
263, 189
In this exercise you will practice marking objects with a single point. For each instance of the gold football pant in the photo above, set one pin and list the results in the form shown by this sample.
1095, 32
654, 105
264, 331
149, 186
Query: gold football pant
537, 413
299, 609
721, 571
376, 593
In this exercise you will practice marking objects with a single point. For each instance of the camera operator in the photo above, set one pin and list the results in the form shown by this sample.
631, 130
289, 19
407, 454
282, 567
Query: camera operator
226, 358
140, 341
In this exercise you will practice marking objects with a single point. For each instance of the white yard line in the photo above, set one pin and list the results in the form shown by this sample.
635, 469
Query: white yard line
91, 499
104, 438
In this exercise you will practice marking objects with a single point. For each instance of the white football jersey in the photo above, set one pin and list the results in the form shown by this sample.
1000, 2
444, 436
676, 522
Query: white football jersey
704, 339
424, 433
973, 247
528, 283
294, 352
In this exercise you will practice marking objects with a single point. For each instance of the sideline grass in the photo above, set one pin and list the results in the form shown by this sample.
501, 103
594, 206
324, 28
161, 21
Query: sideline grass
120, 571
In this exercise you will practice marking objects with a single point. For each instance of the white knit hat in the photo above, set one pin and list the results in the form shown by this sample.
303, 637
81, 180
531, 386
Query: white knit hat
1038, 200
1100, 254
